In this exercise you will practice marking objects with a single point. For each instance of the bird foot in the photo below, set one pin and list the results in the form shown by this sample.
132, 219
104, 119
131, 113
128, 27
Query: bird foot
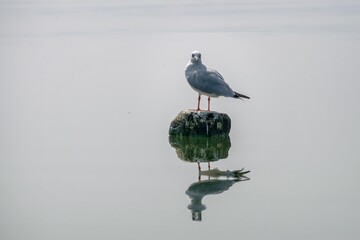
196, 110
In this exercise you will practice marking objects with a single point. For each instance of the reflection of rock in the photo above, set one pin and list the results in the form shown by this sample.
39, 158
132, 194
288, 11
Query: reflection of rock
201, 149
198, 190
200, 123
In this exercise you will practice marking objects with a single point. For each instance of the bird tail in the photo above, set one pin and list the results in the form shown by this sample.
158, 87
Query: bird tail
238, 95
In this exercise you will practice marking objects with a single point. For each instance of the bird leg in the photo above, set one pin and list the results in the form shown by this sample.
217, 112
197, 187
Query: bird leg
199, 98
209, 104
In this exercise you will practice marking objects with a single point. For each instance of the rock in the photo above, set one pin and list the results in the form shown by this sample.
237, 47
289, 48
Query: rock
200, 123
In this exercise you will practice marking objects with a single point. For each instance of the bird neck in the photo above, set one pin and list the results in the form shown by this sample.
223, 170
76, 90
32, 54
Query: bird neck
191, 67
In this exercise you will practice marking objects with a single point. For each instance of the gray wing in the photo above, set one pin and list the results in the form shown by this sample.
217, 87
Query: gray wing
215, 74
210, 81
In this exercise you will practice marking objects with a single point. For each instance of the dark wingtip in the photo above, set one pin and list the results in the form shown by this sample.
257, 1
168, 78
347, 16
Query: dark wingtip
238, 95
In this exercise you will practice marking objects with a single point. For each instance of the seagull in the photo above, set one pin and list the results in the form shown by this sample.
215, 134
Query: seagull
207, 81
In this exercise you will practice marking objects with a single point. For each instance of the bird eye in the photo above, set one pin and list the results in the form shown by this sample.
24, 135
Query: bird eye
192, 55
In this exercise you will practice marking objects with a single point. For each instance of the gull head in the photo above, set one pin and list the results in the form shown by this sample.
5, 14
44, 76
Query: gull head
195, 57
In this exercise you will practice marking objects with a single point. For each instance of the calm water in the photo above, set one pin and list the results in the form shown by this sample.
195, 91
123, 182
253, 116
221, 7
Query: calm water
88, 90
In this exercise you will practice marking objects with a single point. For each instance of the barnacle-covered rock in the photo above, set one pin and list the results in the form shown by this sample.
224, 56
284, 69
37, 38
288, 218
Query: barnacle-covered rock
200, 123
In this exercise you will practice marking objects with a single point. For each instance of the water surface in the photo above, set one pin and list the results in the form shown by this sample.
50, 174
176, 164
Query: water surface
88, 90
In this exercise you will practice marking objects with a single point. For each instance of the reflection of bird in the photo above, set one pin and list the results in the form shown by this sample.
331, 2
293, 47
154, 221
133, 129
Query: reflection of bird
207, 81
198, 190
216, 173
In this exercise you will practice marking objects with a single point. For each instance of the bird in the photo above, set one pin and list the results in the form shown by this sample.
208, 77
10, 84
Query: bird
207, 81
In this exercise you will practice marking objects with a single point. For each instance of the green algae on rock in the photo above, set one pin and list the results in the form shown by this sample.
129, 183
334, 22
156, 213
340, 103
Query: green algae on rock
201, 148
